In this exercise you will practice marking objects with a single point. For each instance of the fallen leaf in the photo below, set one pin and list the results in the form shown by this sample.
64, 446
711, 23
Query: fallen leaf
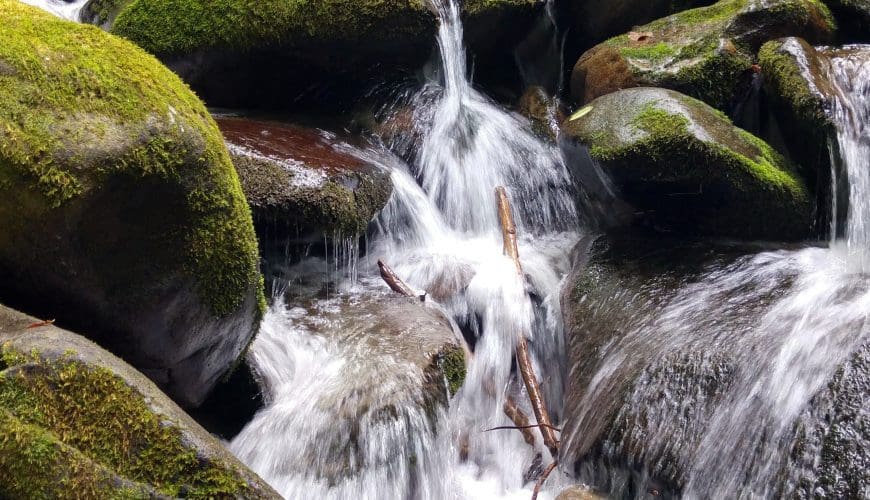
41, 323
580, 113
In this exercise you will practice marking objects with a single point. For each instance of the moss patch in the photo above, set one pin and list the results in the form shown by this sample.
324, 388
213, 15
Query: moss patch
452, 364
68, 428
80, 106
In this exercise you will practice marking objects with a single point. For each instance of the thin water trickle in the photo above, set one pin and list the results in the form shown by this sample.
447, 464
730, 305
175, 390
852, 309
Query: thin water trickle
440, 233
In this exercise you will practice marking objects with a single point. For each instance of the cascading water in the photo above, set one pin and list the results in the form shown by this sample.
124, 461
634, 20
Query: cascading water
60, 8
768, 332
440, 232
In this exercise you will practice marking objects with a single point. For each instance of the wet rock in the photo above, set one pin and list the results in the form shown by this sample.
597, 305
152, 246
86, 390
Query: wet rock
801, 94
704, 52
378, 368
238, 53
543, 111
656, 351
102, 12
106, 157
76, 419
304, 180
688, 170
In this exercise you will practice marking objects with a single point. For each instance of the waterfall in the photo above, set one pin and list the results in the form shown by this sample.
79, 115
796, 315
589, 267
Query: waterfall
439, 231
766, 333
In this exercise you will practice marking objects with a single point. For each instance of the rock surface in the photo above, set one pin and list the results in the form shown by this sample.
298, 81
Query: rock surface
80, 423
703, 52
232, 57
689, 170
121, 213
853, 17
304, 179
654, 349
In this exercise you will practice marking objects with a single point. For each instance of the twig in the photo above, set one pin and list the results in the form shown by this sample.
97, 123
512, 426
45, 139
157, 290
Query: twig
395, 283
524, 360
543, 478
520, 427
41, 323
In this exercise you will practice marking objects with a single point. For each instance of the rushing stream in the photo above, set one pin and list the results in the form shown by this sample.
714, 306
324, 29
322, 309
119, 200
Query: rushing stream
348, 414
439, 231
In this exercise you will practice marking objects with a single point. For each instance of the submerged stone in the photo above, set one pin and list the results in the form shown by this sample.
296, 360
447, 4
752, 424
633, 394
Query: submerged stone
704, 52
688, 170
121, 212
79, 422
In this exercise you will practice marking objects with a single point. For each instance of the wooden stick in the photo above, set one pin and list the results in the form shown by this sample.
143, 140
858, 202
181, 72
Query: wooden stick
519, 418
524, 359
395, 283
541, 480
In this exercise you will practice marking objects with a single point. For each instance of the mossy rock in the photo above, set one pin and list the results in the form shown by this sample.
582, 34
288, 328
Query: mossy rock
853, 16
77, 422
269, 52
299, 181
122, 214
688, 170
705, 52
592, 22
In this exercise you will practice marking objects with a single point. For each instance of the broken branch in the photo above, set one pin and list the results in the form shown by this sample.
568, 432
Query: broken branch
524, 360
395, 283
541, 480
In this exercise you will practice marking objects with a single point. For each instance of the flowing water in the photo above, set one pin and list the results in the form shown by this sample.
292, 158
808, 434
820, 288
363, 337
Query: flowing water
762, 336
60, 8
440, 232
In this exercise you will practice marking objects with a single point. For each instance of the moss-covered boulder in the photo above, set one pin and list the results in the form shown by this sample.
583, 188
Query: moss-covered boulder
592, 22
688, 170
269, 52
703, 52
853, 17
77, 422
304, 182
121, 212
102, 12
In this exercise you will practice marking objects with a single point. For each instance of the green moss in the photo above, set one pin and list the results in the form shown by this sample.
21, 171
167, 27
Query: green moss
72, 84
783, 74
68, 428
180, 26
452, 364
655, 52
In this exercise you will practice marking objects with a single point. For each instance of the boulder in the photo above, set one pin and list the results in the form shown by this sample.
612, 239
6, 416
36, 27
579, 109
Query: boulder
243, 53
79, 422
664, 336
371, 364
688, 170
705, 52
121, 212
304, 182
102, 12
592, 22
